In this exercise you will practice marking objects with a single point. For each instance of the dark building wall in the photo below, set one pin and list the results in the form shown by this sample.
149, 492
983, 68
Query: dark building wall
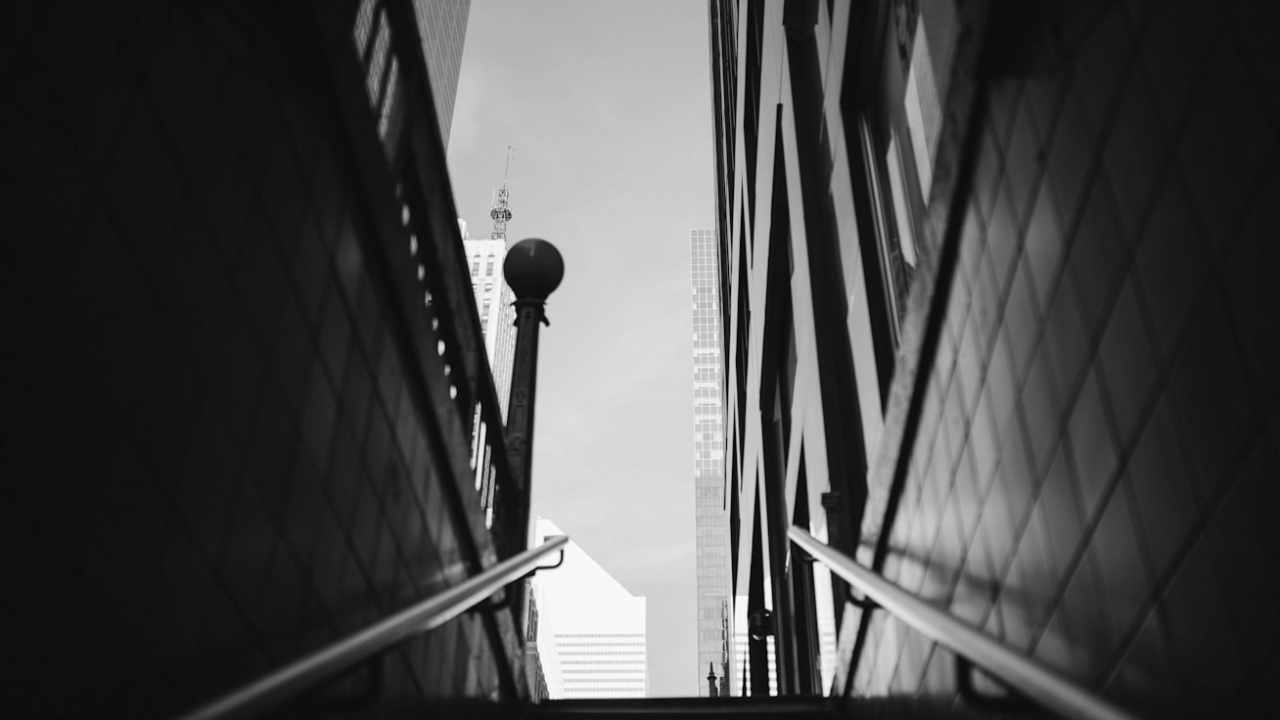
1093, 469
789, 449
1097, 458
443, 25
214, 458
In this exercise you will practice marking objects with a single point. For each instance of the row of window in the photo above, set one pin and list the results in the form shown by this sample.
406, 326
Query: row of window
562, 644
488, 267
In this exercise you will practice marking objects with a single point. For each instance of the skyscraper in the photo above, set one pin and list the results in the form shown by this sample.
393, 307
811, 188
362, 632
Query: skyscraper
493, 297
708, 463
493, 300
443, 26
591, 630
999, 293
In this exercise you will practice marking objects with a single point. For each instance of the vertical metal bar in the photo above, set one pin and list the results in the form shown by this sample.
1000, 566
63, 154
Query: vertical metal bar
533, 269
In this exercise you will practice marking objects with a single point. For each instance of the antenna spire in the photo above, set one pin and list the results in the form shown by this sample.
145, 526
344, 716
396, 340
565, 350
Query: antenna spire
501, 211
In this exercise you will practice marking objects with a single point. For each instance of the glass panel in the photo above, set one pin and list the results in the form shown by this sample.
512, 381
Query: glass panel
923, 109
388, 99
901, 204
381, 44
364, 21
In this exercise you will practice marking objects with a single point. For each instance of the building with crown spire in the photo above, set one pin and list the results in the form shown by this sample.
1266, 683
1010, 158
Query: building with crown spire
493, 298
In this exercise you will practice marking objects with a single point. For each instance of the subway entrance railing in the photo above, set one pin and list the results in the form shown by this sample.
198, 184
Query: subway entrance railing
1026, 678
300, 676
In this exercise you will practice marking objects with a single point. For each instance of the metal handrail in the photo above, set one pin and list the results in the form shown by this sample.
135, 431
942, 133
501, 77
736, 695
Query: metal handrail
292, 679
1026, 676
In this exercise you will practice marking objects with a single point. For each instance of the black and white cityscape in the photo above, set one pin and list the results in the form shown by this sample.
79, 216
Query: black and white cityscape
977, 298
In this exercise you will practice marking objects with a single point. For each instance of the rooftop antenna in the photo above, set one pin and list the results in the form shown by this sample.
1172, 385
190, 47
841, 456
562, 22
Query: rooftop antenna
501, 212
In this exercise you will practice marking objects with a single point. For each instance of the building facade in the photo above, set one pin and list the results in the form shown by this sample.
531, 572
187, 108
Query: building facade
442, 25
996, 287
497, 313
244, 433
535, 676
591, 629
712, 515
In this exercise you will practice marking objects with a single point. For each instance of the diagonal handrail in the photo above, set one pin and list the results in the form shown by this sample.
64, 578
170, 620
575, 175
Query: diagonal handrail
1028, 677
300, 675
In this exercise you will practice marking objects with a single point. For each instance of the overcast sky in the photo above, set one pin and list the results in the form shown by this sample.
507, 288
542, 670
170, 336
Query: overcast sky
607, 106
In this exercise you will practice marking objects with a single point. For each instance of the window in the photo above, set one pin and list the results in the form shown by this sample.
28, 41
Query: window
488, 268
894, 140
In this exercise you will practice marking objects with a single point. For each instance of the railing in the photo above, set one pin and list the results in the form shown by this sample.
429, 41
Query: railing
297, 677
1025, 676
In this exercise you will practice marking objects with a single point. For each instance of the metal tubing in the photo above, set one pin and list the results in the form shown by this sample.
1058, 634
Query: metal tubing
290, 680
1027, 676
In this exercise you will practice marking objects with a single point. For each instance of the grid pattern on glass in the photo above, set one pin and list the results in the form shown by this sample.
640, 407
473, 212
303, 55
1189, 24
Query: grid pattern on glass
712, 546
443, 27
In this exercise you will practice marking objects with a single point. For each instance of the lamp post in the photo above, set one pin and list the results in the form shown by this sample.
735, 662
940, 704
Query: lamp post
533, 270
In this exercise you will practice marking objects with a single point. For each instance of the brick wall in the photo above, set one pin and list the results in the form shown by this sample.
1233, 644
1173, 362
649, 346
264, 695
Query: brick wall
212, 463
1096, 469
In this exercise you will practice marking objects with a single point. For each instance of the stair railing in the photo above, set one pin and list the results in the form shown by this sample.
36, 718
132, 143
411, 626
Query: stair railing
1024, 676
294, 679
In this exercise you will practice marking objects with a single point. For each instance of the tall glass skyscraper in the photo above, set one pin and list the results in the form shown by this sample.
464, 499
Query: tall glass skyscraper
708, 464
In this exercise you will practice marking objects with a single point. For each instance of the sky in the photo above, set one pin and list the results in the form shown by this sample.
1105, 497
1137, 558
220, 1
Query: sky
607, 106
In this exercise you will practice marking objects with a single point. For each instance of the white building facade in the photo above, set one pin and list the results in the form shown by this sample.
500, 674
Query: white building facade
494, 301
591, 629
